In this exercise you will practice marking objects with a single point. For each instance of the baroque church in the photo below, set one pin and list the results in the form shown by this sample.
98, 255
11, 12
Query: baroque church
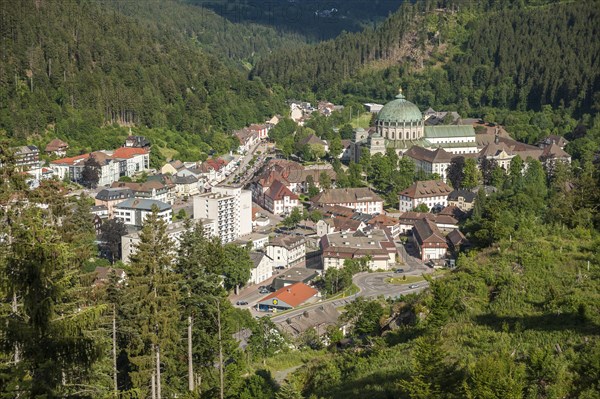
401, 125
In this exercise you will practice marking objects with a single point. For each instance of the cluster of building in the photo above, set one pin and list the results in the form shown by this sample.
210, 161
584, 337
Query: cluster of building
301, 111
432, 139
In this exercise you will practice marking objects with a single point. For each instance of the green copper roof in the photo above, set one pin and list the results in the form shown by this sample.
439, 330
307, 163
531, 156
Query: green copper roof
400, 110
449, 131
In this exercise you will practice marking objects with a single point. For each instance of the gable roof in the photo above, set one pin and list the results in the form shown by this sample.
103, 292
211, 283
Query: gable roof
115, 193
427, 232
449, 131
427, 188
143, 204
279, 191
294, 294
469, 196
312, 139
554, 151
455, 237
346, 195
128, 152
56, 145
422, 154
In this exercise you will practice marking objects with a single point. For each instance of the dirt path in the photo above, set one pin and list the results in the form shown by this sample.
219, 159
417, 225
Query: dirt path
281, 375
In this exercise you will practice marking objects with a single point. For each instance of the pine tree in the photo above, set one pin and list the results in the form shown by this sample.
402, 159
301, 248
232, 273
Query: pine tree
54, 327
151, 299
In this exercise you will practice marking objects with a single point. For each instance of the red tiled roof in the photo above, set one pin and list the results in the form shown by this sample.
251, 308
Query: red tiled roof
71, 160
294, 294
128, 152
427, 188
278, 191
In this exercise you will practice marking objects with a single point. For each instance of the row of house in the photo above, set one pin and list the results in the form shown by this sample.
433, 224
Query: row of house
124, 161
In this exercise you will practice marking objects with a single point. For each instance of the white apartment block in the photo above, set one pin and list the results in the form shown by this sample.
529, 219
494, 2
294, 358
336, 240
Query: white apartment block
134, 211
287, 251
230, 208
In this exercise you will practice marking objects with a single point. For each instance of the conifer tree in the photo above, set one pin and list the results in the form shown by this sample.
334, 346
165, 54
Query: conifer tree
54, 327
152, 301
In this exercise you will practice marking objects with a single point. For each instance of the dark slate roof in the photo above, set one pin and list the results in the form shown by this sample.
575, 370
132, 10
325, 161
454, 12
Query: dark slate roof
143, 204
469, 196
112, 194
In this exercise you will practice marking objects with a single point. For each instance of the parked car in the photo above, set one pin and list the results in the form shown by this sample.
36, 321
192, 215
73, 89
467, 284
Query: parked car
241, 303
263, 291
430, 263
413, 286
399, 271
279, 267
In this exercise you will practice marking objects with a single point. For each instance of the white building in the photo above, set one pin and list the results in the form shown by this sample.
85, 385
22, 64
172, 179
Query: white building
429, 240
230, 207
377, 244
430, 162
361, 199
433, 193
262, 268
113, 164
279, 199
133, 211
287, 251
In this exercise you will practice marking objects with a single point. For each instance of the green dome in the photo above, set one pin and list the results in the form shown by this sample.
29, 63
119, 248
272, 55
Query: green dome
400, 111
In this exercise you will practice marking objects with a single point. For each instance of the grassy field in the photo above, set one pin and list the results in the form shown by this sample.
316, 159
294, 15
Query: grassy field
288, 359
361, 121
404, 280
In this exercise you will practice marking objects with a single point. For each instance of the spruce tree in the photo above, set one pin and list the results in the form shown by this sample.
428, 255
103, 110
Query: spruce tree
152, 311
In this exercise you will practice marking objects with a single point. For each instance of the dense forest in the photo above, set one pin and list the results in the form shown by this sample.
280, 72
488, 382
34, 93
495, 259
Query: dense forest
313, 20
240, 42
513, 56
71, 67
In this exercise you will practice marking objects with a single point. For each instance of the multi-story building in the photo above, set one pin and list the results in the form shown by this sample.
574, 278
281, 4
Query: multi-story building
110, 197
361, 199
151, 189
133, 211
377, 244
57, 147
230, 207
462, 199
262, 267
278, 199
113, 164
433, 193
430, 161
27, 157
429, 240
287, 251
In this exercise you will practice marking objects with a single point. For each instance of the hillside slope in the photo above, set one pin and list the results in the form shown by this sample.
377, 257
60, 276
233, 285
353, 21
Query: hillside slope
520, 57
70, 62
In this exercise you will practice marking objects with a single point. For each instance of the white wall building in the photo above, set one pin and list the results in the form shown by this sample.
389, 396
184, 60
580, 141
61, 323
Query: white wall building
287, 251
133, 211
360, 199
262, 267
230, 207
433, 193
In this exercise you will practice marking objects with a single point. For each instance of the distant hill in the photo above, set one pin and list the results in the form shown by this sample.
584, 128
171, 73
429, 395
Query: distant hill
469, 55
73, 64
314, 20
240, 41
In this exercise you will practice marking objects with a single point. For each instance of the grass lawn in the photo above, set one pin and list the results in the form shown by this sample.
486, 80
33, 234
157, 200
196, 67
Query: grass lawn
361, 121
288, 359
401, 280
414, 279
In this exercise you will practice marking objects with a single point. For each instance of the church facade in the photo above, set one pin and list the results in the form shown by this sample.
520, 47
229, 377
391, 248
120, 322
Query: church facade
401, 125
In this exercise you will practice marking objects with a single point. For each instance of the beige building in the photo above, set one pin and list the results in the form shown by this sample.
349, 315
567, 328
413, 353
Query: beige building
287, 251
361, 199
433, 193
378, 244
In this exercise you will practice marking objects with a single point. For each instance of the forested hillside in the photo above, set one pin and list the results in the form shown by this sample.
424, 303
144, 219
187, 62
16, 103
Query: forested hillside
518, 57
314, 20
239, 41
73, 66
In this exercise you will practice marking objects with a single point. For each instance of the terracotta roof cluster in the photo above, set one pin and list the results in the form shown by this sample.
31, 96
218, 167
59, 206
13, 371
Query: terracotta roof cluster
212, 164
554, 151
346, 196
293, 295
427, 188
147, 186
102, 156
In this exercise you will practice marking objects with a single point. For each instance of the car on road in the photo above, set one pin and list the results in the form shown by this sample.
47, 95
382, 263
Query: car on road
430, 263
241, 303
413, 286
399, 271
263, 291
279, 267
